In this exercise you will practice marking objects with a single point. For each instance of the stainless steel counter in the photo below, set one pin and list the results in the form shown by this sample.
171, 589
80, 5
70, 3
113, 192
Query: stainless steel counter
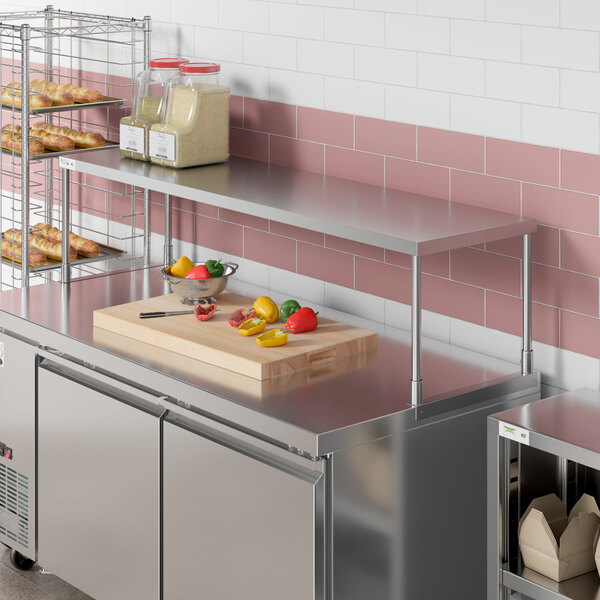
401, 221
319, 410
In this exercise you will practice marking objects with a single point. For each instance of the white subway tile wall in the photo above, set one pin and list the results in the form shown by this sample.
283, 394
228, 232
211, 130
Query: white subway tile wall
509, 60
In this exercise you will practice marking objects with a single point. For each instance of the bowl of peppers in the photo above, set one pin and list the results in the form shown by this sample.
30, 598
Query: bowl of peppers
194, 282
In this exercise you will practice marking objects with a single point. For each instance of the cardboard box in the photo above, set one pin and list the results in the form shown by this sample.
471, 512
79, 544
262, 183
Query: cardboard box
555, 545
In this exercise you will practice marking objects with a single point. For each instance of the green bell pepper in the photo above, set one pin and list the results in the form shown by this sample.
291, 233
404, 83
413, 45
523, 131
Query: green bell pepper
215, 268
288, 308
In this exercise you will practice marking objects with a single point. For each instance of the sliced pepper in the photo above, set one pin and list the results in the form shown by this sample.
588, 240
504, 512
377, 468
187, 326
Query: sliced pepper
204, 313
302, 320
199, 272
266, 308
272, 338
215, 268
181, 267
239, 316
288, 308
252, 326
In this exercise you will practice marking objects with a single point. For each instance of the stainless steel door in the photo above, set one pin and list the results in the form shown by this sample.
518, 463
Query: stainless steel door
98, 485
17, 444
239, 522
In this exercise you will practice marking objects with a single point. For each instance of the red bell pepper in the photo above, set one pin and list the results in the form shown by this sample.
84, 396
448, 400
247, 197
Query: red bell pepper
241, 315
199, 272
302, 320
203, 312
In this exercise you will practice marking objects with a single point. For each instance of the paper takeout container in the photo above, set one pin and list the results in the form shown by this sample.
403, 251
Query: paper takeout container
555, 545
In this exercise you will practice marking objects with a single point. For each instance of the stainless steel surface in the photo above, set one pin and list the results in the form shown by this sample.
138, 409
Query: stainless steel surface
168, 251
319, 410
98, 478
147, 228
409, 512
397, 220
566, 425
527, 351
65, 271
70, 107
17, 431
416, 380
239, 522
198, 289
537, 587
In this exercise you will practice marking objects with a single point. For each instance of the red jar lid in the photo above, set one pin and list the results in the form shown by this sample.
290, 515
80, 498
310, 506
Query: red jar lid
167, 63
200, 67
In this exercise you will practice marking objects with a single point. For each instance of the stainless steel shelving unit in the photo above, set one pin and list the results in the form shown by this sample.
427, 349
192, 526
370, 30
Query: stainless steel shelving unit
98, 51
548, 446
396, 220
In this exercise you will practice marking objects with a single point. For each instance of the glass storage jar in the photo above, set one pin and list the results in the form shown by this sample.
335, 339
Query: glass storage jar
194, 129
148, 93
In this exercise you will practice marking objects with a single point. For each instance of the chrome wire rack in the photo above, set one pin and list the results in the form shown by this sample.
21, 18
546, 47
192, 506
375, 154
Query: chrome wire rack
100, 52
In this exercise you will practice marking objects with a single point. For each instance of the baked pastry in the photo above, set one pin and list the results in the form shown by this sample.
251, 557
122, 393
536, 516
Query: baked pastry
13, 141
83, 246
12, 96
50, 249
83, 139
51, 141
59, 97
80, 94
14, 251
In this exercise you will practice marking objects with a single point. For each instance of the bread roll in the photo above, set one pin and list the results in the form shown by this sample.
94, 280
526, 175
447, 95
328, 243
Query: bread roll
83, 246
50, 249
12, 250
12, 96
13, 142
80, 94
59, 97
58, 143
83, 139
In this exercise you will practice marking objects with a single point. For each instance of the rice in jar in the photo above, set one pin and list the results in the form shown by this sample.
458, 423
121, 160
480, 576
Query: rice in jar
195, 122
148, 96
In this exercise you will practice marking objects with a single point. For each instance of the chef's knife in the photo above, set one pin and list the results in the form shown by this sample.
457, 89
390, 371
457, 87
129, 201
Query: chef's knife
151, 315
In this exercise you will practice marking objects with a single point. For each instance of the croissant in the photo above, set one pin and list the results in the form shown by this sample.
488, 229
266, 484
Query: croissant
82, 246
50, 249
58, 143
14, 251
80, 94
83, 139
12, 96
13, 141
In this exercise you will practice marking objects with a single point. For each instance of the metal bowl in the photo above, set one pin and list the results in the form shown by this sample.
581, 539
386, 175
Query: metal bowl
193, 291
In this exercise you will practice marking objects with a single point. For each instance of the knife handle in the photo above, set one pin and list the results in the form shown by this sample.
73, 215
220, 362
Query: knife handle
150, 315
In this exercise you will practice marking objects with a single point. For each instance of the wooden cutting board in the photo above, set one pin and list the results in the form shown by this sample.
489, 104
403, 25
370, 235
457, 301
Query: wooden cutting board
217, 343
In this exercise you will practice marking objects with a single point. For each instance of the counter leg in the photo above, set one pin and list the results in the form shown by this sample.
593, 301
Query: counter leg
147, 227
168, 255
66, 226
527, 352
416, 380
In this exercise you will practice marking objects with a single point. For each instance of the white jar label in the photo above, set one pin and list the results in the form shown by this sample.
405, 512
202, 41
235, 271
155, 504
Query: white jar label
132, 139
162, 145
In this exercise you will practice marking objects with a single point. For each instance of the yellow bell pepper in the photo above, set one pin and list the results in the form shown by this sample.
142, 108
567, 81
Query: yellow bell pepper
181, 267
252, 326
272, 338
266, 308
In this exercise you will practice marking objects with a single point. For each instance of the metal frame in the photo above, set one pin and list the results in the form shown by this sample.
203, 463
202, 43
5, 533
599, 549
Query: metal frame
59, 45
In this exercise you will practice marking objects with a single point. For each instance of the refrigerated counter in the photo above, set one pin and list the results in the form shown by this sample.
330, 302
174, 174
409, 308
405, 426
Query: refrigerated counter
163, 477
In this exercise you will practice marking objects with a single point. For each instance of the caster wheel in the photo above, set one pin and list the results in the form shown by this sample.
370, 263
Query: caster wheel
21, 562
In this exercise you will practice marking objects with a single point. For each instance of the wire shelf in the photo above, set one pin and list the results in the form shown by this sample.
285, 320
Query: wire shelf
101, 52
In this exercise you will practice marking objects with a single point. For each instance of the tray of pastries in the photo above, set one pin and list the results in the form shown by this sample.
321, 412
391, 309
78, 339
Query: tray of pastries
45, 248
47, 96
47, 140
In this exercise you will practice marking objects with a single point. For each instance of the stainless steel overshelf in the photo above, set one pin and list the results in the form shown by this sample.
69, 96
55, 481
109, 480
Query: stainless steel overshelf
320, 410
536, 586
400, 221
